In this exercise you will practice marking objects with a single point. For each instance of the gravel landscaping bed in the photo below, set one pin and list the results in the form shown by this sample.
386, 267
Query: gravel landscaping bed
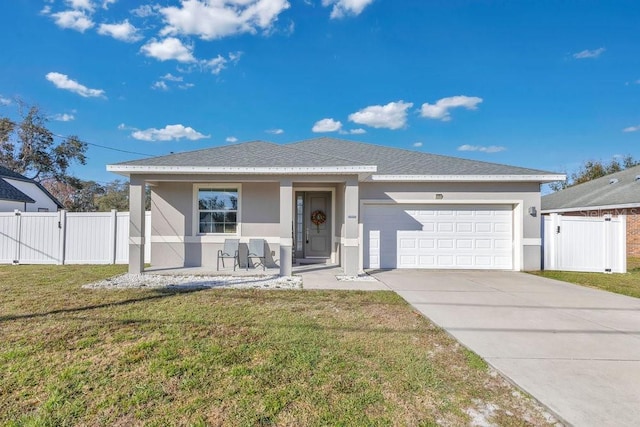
157, 281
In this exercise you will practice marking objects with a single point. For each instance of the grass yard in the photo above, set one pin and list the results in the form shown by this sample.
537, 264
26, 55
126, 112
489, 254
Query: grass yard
70, 356
625, 284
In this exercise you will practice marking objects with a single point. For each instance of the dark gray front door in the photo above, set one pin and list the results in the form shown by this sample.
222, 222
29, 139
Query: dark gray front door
317, 237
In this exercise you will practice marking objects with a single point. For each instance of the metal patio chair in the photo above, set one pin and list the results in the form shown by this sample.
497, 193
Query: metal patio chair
256, 250
230, 250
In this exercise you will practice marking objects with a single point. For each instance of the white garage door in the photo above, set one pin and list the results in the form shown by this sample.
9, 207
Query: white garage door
422, 236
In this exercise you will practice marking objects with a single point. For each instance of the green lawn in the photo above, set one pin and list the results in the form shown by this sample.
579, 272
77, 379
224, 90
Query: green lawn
71, 356
625, 284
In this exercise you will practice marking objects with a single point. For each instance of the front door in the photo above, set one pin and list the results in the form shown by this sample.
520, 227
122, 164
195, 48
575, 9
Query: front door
317, 224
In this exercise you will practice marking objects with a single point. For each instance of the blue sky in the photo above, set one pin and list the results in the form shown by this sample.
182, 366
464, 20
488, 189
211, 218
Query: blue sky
541, 84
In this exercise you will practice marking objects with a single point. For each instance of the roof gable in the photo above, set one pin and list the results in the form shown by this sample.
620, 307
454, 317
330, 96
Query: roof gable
598, 192
9, 192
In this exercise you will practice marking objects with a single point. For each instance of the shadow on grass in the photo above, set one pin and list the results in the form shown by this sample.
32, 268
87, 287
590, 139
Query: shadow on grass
160, 294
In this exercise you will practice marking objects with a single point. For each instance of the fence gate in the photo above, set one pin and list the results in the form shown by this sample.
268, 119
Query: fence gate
30, 238
579, 243
67, 238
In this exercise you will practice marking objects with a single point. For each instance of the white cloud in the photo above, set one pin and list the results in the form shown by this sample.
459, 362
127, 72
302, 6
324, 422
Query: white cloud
489, 149
167, 49
168, 81
107, 3
221, 18
231, 139
168, 133
219, 63
122, 126
170, 77
326, 125
159, 85
62, 81
390, 116
589, 53
631, 129
144, 11
440, 110
64, 117
357, 131
342, 8
4, 101
81, 5
123, 31
73, 19
275, 131
417, 144
216, 65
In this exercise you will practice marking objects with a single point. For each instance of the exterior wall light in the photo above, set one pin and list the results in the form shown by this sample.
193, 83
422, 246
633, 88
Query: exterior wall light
532, 211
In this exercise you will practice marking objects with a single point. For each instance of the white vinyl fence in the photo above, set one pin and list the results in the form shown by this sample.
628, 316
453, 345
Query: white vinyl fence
67, 237
581, 243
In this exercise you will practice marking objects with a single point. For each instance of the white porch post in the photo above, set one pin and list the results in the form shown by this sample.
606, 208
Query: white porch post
136, 224
286, 226
351, 234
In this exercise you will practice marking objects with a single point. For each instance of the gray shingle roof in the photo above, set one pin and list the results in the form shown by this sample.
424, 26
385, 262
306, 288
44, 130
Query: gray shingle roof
248, 154
327, 152
598, 192
9, 192
395, 161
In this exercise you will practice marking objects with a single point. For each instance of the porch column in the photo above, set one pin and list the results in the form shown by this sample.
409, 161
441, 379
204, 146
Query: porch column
136, 224
286, 226
351, 242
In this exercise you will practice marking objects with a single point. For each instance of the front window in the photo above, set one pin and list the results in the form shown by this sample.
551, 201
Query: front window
218, 210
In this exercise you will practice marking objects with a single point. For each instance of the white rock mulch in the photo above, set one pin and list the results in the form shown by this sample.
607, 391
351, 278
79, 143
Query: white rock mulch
159, 281
359, 278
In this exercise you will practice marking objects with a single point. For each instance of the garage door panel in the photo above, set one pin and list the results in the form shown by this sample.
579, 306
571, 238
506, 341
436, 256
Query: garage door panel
423, 236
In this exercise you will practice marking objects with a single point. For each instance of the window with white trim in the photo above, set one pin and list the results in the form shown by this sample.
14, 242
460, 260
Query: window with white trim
218, 210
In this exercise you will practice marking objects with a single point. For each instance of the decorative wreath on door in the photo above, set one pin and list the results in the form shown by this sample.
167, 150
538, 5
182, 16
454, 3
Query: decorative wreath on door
318, 217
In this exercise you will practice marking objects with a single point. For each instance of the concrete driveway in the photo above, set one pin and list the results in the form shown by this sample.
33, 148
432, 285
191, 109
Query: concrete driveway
575, 349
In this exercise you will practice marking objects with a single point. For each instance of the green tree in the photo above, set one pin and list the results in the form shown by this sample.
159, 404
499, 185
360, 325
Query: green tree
30, 148
115, 196
592, 169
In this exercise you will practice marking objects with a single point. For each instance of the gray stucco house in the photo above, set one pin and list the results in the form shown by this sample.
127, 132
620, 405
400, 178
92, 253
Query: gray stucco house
358, 205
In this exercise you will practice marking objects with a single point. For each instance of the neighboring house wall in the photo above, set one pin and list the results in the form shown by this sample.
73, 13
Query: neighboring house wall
42, 201
633, 225
10, 206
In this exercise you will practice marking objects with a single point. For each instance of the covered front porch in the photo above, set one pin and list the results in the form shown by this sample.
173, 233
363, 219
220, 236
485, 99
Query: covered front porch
302, 219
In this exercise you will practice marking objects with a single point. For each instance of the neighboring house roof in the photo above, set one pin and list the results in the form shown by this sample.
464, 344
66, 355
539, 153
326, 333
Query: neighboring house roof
9, 192
330, 155
620, 189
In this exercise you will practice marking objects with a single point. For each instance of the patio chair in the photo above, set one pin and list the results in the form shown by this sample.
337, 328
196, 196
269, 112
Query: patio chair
256, 250
230, 250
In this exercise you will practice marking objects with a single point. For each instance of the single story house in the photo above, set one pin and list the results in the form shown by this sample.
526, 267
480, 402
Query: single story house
614, 194
358, 205
17, 192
